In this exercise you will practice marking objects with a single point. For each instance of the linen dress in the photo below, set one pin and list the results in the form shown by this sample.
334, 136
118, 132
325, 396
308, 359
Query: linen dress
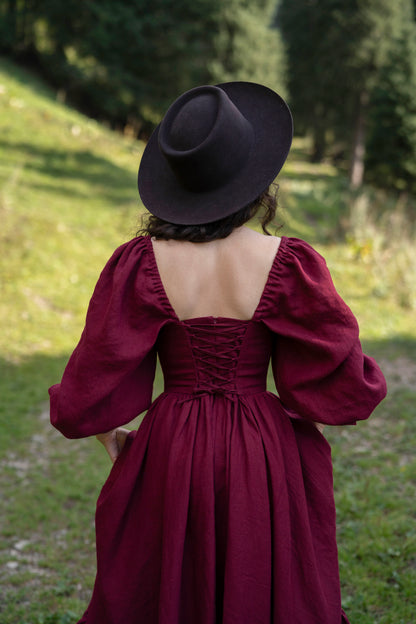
220, 507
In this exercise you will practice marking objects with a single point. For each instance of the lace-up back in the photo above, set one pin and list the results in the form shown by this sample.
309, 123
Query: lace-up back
211, 356
216, 348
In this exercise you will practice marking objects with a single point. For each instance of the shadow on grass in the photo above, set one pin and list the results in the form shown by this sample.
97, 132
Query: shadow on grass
27, 78
23, 389
397, 346
67, 167
24, 394
318, 201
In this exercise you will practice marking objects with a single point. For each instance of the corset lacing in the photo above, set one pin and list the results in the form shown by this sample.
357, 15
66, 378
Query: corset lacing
216, 348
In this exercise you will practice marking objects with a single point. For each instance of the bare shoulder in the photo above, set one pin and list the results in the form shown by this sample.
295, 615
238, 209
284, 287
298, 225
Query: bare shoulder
261, 245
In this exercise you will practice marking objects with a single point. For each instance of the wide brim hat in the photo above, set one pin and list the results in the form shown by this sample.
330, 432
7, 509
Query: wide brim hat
215, 151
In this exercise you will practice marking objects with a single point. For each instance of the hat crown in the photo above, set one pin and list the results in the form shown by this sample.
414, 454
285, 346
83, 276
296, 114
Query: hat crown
205, 139
194, 122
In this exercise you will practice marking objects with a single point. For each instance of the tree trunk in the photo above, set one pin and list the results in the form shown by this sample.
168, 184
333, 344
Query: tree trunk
11, 17
358, 148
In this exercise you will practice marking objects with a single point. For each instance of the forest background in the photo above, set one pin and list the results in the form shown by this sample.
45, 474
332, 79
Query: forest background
348, 68
82, 85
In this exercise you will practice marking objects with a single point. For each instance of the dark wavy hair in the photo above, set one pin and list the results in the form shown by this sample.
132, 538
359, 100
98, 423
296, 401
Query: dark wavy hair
266, 203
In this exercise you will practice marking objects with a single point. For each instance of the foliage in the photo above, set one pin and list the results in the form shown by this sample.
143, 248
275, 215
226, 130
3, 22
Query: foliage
311, 38
126, 61
391, 143
246, 48
130, 58
68, 197
381, 233
342, 57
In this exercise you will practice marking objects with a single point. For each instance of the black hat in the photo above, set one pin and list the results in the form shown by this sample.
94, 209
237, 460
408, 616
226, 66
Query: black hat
216, 150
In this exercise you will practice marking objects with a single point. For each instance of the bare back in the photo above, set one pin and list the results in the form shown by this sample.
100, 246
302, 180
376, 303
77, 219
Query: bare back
221, 278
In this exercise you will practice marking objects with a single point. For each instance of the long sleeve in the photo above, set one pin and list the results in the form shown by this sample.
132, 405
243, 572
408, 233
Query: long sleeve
319, 368
109, 378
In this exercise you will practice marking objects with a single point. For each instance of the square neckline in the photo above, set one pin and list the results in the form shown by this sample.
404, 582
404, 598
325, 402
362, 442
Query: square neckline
209, 317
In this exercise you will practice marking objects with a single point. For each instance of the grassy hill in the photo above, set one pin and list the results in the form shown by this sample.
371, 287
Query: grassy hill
67, 198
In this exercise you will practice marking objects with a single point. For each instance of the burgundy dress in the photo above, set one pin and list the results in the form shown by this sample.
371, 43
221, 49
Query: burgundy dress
220, 507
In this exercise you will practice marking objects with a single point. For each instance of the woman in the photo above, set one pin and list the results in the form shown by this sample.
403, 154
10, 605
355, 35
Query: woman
219, 509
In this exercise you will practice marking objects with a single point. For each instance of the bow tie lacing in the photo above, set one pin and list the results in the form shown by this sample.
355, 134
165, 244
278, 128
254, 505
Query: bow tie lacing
216, 349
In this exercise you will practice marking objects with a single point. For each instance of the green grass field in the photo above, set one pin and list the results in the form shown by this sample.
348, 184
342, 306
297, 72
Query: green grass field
67, 198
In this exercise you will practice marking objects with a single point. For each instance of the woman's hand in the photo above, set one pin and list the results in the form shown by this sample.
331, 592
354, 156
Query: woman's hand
319, 426
113, 441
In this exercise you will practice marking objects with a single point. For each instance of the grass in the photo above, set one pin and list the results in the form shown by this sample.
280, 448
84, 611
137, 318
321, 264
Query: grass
67, 199
375, 472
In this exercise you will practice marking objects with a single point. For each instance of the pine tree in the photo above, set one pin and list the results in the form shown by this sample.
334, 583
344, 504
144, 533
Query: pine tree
337, 55
313, 45
391, 143
247, 47
125, 60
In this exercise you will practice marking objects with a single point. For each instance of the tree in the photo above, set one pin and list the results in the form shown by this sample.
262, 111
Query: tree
391, 142
125, 60
247, 47
377, 24
16, 25
313, 76
337, 53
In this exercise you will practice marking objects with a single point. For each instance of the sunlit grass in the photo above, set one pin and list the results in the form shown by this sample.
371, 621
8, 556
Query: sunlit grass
67, 199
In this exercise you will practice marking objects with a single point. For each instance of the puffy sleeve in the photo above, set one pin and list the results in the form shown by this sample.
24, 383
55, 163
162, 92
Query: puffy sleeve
108, 380
319, 368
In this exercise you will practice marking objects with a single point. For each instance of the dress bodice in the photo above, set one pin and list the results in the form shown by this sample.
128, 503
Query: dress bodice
300, 318
215, 356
